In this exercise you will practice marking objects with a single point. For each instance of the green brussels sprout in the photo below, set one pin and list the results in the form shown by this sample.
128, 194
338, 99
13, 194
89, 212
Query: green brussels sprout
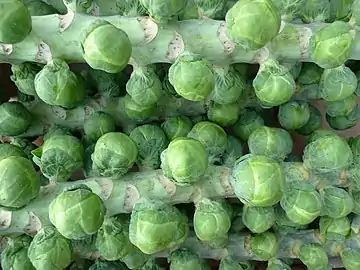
283, 225
96, 50
223, 114
98, 124
49, 250
19, 182
163, 11
247, 122
264, 246
23, 75
342, 107
178, 163
310, 74
319, 133
107, 84
277, 264
57, 85
9, 150
197, 83
247, 27
56, 130
273, 84
330, 45
135, 258
229, 85
156, 226
334, 228
151, 141
350, 258
136, 111
314, 122
211, 9
176, 126
293, 67
114, 154
234, 150
15, 118
275, 143
354, 143
77, 212
322, 155
313, 256
337, 83
144, 86
130, 8
212, 136
15, 21
15, 255
105, 265
185, 259
301, 202
344, 122
40, 8
340, 10
315, 11
258, 180
294, 114
258, 219
289, 9
337, 202
296, 172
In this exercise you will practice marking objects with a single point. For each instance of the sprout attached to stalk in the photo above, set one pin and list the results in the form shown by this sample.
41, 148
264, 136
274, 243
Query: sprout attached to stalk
313, 256
185, 259
314, 122
15, 118
15, 255
163, 11
248, 121
224, 114
344, 122
341, 108
294, 114
264, 246
176, 126
234, 151
23, 75
334, 228
138, 112
350, 258
98, 124
258, 219
337, 202
9, 150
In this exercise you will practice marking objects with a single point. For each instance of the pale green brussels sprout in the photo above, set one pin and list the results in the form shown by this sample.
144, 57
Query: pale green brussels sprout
258, 219
15, 255
294, 114
15, 118
337, 202
330, 45
23, 75
114, 154
15, 21
334, 228
313, 256
136, 111
247, 27
163, 11
40, 8
185, 259
57, 85
340, 10
223, 114
176, 126
19, 182
178, 162
277, 264
211, 9
301, 202
9, 150
144, 86
344, 122
258, 180
77, 212
264, 245
156, 226
192, 77
49, 250
314, 122
342, 107
248, 121
105, 265
151, 141
350, 258
337, 83
98, 124
327, 153
273, 84
289, 9
234, 150
229, 85
319, 133
315, 11
99, 54
107, 84
275, 143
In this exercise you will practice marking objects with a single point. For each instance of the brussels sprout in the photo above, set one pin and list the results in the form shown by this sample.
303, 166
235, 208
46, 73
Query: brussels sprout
39, 8
57, 85
163, 11
313, 256
151, 141
289, 9
247, 27
247, 122
135, 258
228, 263
334, 228
296, 172
327, 153
156, 226
177, 126
283, 224
234, 150
15, 21
273, 84
178, 163
344, 122
49, 250
337, 83
97, 52
264, 246
136, 111
330, 45
350, 258
15, 255
229, 85
319, 133
98, 124
340, 10
275, 143
130, 8
354, 143
315, 11
56, 130
77, 212
15, 119
151, 265
314, 122
258, 219
277, 264
23, 75
9, 150
294, 114
258, 180
212, 9
301, 202
108, 84
185, 259
192, 77
105, 265
144, 86
114, 154
336, 201
224, 114
310, 74
341, 107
